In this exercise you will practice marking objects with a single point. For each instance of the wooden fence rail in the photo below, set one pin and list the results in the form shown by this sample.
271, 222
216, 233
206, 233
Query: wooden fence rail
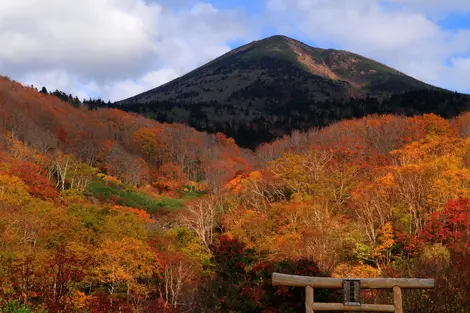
397, 284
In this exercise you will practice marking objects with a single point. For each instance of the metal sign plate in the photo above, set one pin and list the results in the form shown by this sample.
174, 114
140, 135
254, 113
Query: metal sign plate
352, 292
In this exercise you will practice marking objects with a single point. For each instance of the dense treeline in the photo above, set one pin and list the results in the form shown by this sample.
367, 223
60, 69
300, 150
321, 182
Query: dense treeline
253, 124
73, 100
107, 211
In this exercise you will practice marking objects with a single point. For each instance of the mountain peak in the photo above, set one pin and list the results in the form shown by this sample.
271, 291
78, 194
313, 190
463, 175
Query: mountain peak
338, 65
277, 44
276, 58
278, 39
272, 80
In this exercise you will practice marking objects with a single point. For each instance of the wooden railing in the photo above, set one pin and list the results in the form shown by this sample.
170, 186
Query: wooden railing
310, 283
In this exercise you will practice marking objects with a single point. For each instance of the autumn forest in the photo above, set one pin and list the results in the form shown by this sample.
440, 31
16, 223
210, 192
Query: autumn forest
107, 211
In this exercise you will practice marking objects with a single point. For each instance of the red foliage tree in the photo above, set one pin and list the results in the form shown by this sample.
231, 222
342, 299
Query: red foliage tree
35, 178
450, 227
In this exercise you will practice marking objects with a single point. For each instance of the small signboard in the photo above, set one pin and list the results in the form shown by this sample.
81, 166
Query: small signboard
352, 292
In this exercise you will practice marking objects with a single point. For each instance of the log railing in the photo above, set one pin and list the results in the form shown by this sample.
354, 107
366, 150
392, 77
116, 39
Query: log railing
310, 283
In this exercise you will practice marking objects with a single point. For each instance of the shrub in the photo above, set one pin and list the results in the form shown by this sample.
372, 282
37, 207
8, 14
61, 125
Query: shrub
131, 198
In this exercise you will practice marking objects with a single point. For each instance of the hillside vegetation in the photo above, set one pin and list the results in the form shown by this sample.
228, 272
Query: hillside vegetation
107, 211
268, 88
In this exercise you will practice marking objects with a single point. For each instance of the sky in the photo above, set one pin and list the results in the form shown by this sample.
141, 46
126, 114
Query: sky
114, 49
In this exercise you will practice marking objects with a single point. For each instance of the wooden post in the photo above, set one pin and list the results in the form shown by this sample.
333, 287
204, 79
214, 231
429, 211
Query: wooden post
310, 283
340, 307
366, 283
397, 299
309, 299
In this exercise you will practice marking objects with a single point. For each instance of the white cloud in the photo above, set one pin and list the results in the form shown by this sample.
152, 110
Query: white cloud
123, 89
434, 6
458, 74
58, 78
402, 36
118, 46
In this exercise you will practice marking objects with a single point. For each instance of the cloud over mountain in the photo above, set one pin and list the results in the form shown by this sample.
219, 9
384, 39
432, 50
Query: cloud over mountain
119, 48
110, 47
407, 35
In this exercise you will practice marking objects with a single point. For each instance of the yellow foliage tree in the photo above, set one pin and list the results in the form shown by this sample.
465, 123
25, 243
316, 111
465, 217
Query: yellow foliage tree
383, 251
124, 262
13, 190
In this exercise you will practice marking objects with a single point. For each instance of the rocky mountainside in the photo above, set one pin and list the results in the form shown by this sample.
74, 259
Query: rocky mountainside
269, 87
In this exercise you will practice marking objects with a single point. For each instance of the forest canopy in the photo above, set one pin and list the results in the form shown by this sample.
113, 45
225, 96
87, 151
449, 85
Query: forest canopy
107, 211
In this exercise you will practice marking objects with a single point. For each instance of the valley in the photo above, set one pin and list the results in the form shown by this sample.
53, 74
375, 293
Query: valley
276, 157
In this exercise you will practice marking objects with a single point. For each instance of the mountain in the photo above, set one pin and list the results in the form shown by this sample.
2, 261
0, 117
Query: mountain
269, 87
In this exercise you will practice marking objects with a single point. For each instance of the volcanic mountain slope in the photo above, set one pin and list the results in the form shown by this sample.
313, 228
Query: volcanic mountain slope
282, 62
269, 87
